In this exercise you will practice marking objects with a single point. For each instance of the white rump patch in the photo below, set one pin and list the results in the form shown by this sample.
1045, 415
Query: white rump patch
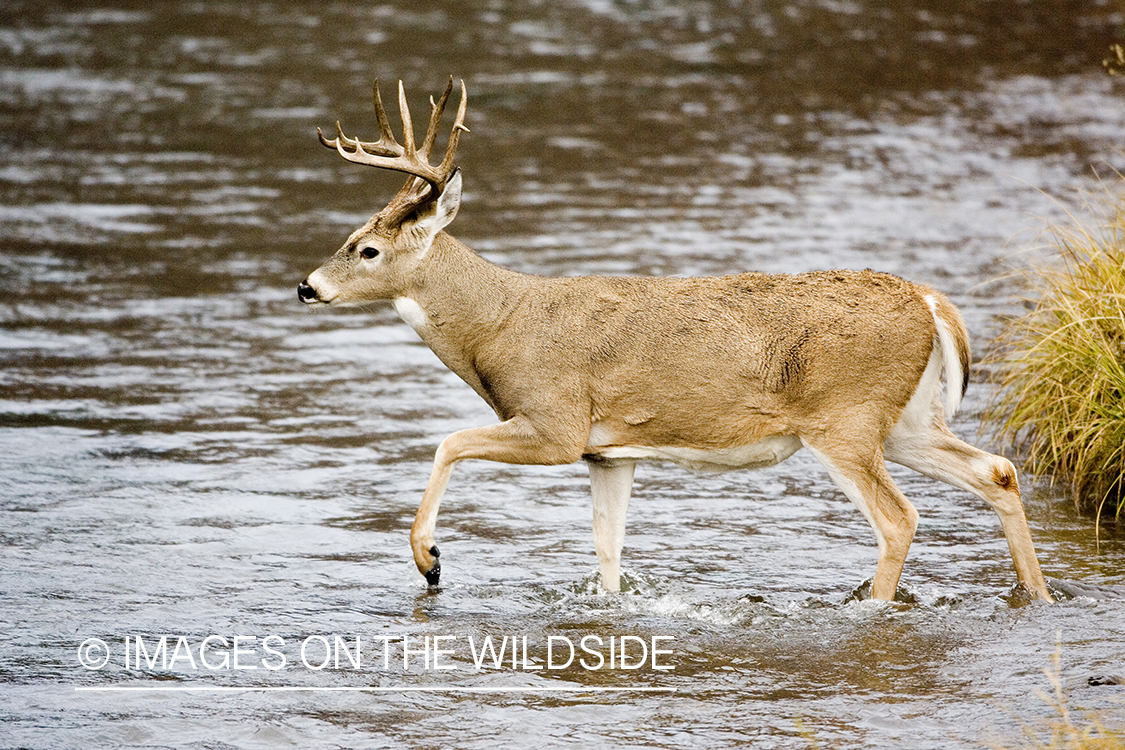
411, 313
919, 415
952, 362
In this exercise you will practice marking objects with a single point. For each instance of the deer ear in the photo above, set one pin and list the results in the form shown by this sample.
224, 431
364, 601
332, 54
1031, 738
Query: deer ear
442, 211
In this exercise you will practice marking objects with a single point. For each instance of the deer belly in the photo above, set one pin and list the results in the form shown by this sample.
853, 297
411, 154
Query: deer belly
765, 452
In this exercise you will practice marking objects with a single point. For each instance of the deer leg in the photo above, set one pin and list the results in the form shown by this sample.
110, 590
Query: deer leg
422, 543
931, 449
611, 483
515, 441
867, 484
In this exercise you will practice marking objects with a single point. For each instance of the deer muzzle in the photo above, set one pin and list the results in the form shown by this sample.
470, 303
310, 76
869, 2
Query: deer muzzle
307, 294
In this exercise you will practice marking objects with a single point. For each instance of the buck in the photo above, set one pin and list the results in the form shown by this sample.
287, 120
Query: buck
721, 373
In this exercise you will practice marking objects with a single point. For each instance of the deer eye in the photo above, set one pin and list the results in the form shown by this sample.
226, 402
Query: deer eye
369, 252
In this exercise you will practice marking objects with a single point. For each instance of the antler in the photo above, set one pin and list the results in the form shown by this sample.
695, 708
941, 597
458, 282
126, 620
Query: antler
387, 153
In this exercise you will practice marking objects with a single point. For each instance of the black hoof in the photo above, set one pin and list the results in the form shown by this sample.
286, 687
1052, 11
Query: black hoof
433, 575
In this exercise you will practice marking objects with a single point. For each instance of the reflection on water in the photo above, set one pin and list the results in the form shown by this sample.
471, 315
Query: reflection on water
185, 451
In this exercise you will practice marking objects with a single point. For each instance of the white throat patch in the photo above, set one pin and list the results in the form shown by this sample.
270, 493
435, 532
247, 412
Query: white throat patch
411, 313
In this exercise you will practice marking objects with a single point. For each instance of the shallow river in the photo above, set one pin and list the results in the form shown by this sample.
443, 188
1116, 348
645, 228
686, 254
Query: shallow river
187, 453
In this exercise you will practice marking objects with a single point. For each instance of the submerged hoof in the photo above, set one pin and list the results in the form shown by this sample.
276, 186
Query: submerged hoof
433, 575
1106, 679
862, 592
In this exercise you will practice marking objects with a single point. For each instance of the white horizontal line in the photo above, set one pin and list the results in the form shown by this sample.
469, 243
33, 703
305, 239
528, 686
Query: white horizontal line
444, 689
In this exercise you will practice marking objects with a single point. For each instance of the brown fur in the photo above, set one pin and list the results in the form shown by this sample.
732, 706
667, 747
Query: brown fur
705, 363
1005, 478
727, 371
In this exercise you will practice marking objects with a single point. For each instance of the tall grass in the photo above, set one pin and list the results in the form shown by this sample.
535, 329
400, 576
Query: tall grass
1062, 365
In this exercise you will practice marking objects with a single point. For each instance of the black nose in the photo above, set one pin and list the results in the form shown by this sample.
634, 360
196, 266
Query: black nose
306, 293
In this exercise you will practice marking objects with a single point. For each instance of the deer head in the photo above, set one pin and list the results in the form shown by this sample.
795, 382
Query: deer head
380, 257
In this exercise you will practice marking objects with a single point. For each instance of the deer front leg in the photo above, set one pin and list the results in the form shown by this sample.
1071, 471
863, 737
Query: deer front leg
422, 543
516, 441
611, 483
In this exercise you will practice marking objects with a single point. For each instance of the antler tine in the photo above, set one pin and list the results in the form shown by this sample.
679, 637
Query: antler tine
385, 146
336, 143
357, 154
436, 112
342, 140
385, 132
407, 127
387, 153
458, 126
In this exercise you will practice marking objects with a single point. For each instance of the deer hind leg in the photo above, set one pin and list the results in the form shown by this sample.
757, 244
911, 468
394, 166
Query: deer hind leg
611, 483
929, 448
865, 481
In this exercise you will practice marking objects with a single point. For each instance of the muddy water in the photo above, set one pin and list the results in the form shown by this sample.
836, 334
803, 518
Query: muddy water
186, 453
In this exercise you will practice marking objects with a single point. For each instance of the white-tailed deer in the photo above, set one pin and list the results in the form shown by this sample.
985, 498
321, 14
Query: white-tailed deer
719, 373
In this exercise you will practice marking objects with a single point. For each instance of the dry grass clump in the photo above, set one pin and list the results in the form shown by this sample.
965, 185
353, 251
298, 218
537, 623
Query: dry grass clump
1062, 365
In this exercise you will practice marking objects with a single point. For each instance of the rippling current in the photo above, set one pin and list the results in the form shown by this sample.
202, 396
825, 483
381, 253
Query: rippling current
186, 454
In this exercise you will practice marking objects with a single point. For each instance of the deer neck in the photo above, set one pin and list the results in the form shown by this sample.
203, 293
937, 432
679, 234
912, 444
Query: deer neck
458, 301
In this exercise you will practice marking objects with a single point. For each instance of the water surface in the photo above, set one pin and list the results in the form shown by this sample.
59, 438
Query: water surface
185, 451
